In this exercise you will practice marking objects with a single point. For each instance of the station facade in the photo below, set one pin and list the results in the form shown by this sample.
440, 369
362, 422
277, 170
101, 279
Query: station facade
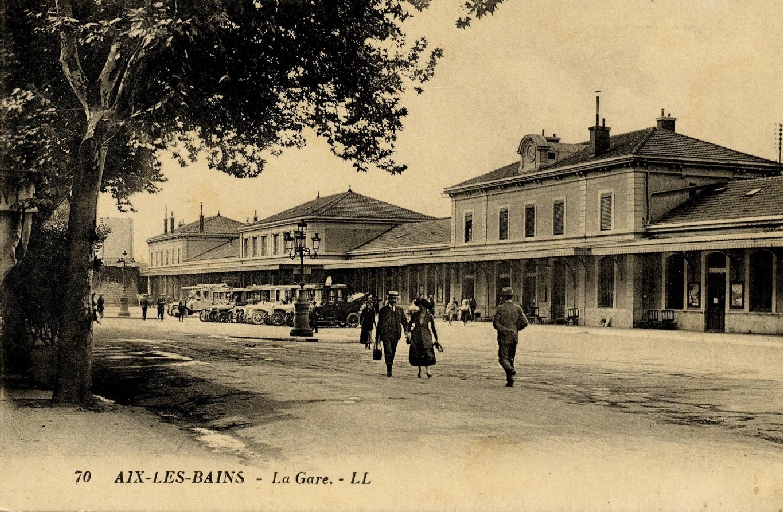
623, 230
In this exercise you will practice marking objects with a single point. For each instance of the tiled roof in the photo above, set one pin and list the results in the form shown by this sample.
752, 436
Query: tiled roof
229, 249
619, 145
413, 234
216, 224
347, 205
759, 197
508, 171
657, 143
649, 143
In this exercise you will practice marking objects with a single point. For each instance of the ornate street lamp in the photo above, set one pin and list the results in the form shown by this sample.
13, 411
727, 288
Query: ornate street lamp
124, 299
296, 245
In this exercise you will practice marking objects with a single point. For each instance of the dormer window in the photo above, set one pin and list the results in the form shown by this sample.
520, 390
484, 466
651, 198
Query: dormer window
552, 155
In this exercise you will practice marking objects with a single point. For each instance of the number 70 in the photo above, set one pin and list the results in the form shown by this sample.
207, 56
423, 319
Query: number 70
82, 476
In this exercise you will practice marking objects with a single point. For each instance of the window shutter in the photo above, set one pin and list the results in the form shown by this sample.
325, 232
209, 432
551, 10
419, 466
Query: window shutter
530, 221
503, 224
606, 212
558, 212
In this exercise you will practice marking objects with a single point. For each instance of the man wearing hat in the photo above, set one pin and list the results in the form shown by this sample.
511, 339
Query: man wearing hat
509, 320
391, 324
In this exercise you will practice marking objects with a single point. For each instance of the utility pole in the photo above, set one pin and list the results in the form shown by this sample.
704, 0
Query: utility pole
780, 142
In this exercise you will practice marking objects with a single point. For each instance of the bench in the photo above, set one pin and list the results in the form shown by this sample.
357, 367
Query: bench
532, 315
572, 316
660, 319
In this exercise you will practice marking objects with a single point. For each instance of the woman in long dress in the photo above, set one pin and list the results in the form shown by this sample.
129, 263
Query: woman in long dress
422, 349
367, 320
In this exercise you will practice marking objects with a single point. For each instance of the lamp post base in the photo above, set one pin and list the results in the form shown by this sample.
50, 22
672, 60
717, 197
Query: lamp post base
124, 307
302, 317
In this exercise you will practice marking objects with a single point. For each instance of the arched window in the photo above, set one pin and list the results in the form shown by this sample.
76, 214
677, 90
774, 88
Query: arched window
761, 263
675, 282
606, 283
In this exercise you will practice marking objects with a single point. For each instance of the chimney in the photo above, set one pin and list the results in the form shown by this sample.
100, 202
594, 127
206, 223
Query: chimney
599, 135
172, 222
165, 221
201, 219
255, 216
666, 123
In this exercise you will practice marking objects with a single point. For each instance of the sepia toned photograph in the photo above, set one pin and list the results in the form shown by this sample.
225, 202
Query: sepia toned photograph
382, 255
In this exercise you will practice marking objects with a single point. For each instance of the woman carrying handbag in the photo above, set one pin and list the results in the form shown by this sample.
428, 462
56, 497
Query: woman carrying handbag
422, 349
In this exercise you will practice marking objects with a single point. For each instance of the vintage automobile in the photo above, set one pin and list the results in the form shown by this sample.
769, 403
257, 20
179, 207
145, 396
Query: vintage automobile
337, 308
217, 313
263, 304
199, 297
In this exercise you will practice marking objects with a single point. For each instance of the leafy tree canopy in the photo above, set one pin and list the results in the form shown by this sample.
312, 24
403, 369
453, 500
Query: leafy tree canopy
92, 90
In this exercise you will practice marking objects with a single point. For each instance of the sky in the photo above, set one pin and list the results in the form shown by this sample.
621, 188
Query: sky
715, 65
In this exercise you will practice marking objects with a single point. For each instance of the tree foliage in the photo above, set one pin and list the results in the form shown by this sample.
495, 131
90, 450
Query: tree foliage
93, 90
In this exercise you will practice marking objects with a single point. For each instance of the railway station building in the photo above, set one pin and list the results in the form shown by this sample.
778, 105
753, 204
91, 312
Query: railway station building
649, 228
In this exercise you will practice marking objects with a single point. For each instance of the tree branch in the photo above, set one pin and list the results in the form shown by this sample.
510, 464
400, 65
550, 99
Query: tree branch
109, 76
69, 56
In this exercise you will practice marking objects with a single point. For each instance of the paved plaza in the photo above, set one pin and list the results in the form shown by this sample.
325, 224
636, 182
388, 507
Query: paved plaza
599, 419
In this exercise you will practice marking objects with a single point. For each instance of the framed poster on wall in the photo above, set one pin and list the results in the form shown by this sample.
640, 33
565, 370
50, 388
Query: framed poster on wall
694, 295
737, 295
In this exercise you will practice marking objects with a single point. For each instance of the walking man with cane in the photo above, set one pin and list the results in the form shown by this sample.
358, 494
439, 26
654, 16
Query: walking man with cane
509, 320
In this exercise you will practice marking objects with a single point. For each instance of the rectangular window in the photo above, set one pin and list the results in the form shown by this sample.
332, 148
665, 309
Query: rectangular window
264, 250
179, 254
244, 248
503, 224
254, 246
606, 212
468, 227
530, 221
276, 243
558, 217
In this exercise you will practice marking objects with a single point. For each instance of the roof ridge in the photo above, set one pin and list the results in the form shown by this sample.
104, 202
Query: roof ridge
338, 197
642, 142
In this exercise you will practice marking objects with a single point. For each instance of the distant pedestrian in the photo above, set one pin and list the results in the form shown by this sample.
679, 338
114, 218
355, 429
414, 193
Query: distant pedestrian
367, 321
144, 303
472, 308
161, 307
422, 328
464, 311
100, 306
315, 313
508, 321
94, 309
451, 311
391, 325
182, 309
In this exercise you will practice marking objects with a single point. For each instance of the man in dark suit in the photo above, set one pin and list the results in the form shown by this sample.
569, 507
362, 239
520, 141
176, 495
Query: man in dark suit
508, 321
391, 324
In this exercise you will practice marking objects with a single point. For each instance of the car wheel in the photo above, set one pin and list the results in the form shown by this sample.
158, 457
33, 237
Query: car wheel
289, 319
203, 315
258, 317
278, 318
352, 320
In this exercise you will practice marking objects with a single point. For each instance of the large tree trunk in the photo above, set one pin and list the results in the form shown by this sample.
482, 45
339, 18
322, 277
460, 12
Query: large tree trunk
74, 356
